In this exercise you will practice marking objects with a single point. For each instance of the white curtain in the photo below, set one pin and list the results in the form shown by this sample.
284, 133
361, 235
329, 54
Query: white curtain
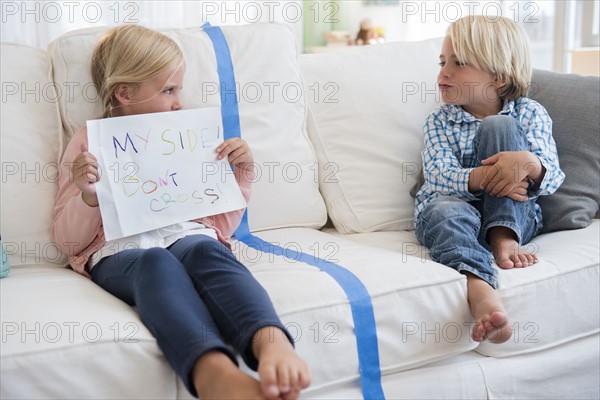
37, 23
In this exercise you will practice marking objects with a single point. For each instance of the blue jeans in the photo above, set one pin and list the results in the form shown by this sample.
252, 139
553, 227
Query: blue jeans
455, 231
194, 296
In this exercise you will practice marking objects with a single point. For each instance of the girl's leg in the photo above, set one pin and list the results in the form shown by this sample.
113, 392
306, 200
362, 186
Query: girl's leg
506, 223
450, 227
243, 313
158, 285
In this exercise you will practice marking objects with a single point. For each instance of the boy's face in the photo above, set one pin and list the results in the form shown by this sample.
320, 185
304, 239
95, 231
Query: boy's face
467, 86
157, 94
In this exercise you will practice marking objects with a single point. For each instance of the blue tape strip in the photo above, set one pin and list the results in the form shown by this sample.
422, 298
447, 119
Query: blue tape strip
229, 104
360, 302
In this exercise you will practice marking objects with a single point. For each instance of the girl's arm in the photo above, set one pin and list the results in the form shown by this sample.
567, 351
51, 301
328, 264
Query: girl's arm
75, 224
240, 157
228, 222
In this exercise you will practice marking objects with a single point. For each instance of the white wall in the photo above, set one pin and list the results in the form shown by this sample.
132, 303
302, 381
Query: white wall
420, 20
37, 23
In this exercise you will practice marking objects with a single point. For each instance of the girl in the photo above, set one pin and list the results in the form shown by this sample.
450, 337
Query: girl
188, 287
489, 153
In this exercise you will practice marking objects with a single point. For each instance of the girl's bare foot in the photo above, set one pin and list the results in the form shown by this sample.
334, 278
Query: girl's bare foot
217, 377
507, 251
491, 320
282, 373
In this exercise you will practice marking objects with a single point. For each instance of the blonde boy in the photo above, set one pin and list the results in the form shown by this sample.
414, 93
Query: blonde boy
489, 153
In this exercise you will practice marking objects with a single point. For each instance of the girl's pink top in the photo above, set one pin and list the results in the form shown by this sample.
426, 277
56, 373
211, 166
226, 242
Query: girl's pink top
77, 227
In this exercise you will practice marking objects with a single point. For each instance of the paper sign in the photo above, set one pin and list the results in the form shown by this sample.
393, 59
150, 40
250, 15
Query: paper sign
159, 169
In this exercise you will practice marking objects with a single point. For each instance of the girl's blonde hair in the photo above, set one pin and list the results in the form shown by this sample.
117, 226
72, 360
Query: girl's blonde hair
131, 54
496, 45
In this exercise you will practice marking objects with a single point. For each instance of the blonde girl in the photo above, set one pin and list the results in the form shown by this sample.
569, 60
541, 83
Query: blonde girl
189, 289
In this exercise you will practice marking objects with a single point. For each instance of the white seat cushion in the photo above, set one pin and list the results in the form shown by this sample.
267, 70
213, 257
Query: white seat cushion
551, 303
419, 306
61, 332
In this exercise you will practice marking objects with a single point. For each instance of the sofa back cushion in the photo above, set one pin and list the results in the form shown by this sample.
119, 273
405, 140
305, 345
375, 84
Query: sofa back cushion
271, 104
31, 135
367, 108
573, 103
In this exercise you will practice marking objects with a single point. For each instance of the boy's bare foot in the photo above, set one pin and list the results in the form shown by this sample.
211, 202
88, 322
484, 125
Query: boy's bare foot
507, 251
282, 373
491, 320
217, 377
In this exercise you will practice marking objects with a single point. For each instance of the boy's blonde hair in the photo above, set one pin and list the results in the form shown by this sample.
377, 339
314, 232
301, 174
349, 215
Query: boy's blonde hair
131, 54
496, 45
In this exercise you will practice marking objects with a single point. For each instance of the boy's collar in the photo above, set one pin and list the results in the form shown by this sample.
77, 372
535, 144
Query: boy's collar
458, 114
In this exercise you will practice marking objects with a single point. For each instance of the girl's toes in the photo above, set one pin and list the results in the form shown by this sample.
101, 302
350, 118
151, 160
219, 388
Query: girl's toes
268, 381
283, 378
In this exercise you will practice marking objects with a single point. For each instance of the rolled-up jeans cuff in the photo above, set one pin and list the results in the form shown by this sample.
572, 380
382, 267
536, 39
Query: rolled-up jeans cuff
510, 225
490, 279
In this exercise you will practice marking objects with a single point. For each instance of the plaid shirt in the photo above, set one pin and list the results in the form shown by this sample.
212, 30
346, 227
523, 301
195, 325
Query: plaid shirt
449, 153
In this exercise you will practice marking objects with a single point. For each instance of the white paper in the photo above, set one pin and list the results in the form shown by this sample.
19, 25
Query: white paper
159, 169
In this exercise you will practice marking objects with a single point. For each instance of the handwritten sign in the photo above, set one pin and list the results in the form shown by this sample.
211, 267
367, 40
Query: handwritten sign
160, 169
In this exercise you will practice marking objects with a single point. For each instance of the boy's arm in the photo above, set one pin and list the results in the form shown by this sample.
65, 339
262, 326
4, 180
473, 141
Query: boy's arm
507, 169
441, 169
539, 166
538, 125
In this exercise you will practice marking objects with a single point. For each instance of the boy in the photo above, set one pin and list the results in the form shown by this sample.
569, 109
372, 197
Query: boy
489, 153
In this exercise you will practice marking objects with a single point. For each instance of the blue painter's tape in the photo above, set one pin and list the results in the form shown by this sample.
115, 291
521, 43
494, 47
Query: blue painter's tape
360, 302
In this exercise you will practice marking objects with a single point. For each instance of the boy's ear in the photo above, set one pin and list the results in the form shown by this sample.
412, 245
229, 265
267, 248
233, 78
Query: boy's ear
499, 83
124, 93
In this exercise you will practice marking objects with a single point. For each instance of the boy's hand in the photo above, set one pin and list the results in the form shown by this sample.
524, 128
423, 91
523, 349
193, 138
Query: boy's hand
236, 149
85, 175
520, 192
509, 169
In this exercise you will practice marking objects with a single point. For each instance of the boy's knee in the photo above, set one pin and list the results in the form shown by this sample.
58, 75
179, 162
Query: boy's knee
448, 207
499, 124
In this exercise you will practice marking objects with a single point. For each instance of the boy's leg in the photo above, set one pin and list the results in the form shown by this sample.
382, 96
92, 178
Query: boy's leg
506, 223
450, 227
158, 285
243, 312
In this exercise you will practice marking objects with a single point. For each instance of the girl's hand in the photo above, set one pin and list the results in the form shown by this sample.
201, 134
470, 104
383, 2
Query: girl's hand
85, 175
509, 169
236, 149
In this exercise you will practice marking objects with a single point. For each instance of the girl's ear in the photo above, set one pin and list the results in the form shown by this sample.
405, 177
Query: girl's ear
124, 93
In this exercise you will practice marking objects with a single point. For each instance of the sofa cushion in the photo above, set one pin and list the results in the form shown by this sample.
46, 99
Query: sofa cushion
64, 336
30, 134
551, 303
419, 306
572, 102
367, 107
271, 105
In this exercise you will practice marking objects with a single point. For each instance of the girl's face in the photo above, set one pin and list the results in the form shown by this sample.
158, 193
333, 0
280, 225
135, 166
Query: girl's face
157, 94
464, 85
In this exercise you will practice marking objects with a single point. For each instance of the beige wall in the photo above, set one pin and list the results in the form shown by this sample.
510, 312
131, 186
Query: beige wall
586, 61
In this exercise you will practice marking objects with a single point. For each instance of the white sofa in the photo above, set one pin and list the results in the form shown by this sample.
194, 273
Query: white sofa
337, 140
